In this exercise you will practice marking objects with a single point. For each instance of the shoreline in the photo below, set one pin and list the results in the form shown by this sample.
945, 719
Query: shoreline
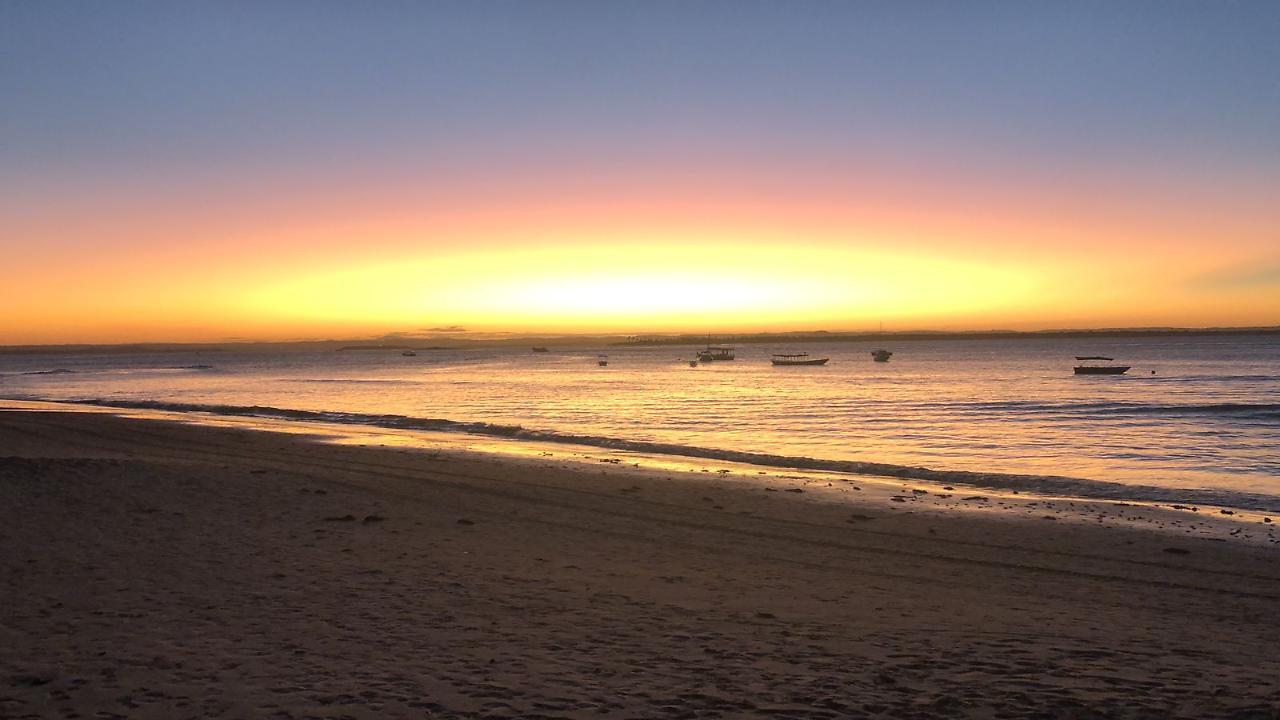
158, 569
949, 492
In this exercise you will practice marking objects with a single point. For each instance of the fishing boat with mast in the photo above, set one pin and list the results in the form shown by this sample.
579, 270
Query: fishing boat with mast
712, 353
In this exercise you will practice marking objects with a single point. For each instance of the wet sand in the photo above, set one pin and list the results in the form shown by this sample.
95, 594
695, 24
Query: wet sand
161, 570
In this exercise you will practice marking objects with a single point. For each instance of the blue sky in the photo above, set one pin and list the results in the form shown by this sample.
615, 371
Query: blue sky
106, 83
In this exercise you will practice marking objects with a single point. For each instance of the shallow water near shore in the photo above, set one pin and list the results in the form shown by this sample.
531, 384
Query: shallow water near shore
859, 493
1197, 419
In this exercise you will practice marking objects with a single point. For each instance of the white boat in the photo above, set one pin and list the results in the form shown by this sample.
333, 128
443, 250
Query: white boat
409, 353
715, 354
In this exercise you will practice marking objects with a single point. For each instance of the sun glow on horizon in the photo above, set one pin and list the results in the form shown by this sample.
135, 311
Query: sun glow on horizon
683, 285
548, 274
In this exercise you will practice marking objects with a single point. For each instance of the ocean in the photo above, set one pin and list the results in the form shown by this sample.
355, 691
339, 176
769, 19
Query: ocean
1196, 419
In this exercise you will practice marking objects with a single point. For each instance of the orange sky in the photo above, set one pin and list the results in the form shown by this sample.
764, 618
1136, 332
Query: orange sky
713, 256
168, 176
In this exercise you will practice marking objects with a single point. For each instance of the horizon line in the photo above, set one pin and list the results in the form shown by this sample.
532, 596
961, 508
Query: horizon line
464, 338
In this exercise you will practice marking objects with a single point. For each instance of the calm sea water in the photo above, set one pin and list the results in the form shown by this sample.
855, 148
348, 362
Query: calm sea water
1193, 413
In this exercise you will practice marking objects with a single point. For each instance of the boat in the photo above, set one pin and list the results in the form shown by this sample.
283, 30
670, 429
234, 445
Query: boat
539, 349
693, 362
881, 355
1099, 369
409, 353
797, 359
602, 360
715, 353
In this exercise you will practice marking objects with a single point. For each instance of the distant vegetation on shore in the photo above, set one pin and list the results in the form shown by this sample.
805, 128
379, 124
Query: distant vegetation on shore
459, 342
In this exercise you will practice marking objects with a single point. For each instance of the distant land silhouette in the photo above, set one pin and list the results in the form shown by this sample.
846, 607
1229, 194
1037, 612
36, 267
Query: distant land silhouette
622, 340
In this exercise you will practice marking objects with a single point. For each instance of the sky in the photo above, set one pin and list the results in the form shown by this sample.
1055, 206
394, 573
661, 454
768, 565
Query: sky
204, 171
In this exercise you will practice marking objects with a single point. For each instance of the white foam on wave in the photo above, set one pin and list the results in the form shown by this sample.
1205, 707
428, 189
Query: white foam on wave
1040, 484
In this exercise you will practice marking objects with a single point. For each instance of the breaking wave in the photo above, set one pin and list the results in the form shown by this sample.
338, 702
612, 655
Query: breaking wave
1041, 484
1254, 410
352, 381
65, 371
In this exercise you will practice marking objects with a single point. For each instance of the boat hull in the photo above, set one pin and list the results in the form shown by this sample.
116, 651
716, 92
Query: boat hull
821, 361
1102, 369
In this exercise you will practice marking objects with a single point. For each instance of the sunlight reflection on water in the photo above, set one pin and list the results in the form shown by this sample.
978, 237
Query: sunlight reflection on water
1208, 416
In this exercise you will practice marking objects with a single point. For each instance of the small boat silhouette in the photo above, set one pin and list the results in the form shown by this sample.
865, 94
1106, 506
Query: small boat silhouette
1099, 369
797, 359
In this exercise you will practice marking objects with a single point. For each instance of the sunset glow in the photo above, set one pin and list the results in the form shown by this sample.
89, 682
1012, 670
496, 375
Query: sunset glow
660, 191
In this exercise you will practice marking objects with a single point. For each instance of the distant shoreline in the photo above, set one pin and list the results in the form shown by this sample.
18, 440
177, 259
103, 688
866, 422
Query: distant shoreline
619, 340
823, 336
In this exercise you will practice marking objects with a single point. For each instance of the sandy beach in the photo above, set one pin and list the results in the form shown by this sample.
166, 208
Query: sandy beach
161, 570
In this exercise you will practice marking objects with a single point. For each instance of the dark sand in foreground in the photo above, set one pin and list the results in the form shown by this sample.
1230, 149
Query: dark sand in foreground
157, 570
